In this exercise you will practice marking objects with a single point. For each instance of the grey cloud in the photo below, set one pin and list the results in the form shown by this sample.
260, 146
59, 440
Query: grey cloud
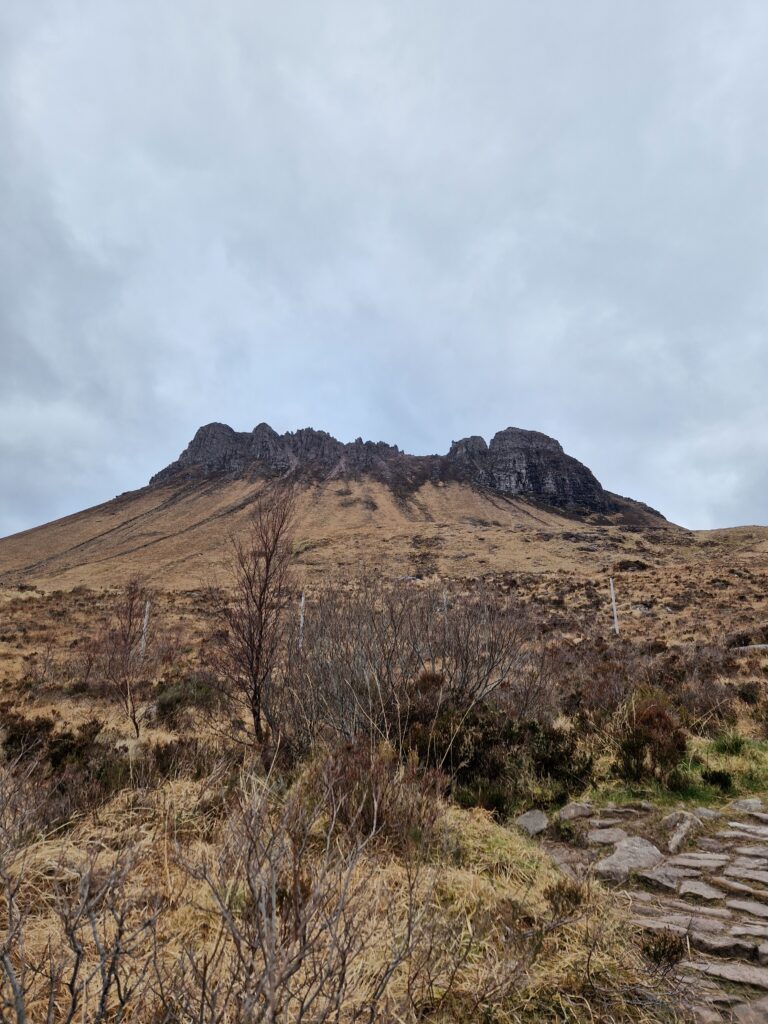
411, 222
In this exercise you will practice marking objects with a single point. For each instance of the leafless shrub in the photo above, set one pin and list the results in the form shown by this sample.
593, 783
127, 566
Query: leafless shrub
479, 644
82, 663
130, 651
88, 964
94, 966
249, 614
594, 678
694, 678
23, 796
347, 668
366, 661
293, 925
44, 667
664, 951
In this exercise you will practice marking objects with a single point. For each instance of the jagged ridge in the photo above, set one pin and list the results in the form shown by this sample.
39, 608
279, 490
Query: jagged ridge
516, 462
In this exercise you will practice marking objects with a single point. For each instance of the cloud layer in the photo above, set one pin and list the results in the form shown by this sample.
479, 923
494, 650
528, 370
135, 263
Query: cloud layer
407, 221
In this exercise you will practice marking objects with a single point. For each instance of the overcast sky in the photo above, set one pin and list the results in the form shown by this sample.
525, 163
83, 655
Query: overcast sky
410, 220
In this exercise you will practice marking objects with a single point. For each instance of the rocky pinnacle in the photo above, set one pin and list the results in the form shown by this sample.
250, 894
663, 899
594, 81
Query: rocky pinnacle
519, 463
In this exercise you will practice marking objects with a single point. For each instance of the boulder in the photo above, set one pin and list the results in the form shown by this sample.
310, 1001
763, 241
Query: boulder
631, 854
532, 822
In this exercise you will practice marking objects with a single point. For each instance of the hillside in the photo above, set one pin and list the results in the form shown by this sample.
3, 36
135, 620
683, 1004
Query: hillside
173, 534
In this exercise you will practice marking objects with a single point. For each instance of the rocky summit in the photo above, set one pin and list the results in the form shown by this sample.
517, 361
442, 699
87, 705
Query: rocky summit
516, 463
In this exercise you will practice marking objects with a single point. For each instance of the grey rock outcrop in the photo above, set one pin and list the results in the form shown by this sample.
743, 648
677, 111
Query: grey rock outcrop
520, 463
525, 462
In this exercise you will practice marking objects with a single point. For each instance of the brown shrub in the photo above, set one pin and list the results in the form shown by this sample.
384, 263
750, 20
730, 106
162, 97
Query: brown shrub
650, 740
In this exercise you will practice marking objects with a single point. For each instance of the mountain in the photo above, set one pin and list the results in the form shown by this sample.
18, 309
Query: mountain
516, 463
516, 503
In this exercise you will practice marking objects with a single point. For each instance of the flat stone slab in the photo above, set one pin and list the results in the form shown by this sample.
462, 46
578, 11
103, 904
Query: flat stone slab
606, 822
650, 904
735, 871
741, 974
615, 809
755, 1012
702, 1014
760, 931
749, 907
748, 830
606, 836
575, 810
759, 815
631, 854
722, 945
532, 822
711, 845
750, 863
710, 993
750, 804
677, 817
660, 879
687, 923
671, 873
680, 834
695, 887
706, 813
705, 1015
703, 861
731, 885
753, 850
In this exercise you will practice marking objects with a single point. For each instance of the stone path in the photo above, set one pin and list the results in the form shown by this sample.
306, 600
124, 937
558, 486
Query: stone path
702, 876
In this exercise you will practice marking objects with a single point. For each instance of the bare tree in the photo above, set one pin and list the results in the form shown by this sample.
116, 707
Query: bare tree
129, 651
249, 614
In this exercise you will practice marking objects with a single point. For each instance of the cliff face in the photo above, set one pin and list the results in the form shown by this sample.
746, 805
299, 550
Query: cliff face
525, 462
517, 462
